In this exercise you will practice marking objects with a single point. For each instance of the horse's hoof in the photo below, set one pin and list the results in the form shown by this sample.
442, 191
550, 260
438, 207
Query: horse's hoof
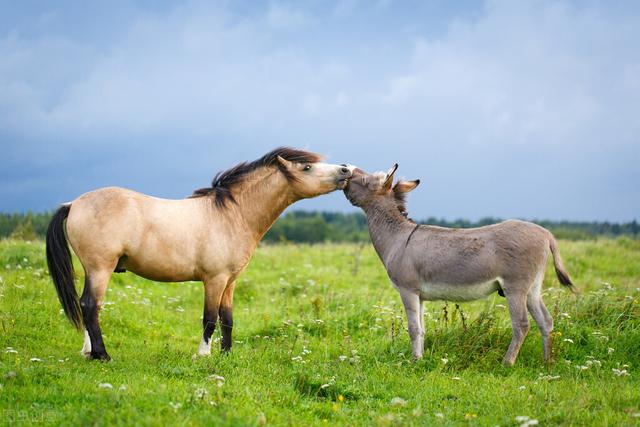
104, 357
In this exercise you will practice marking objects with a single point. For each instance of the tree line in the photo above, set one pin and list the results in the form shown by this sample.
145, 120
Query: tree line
316, 227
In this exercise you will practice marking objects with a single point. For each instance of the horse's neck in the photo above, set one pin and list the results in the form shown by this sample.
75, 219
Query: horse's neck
386, 226
261, 198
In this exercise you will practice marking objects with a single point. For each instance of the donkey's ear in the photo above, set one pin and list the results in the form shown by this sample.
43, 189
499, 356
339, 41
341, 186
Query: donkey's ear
284, 163
405, 186
389, 179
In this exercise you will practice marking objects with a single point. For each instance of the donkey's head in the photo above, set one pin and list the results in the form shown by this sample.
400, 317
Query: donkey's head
310, 179
365, 189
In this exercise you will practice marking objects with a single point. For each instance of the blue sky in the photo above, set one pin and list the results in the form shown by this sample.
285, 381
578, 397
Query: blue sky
524, 109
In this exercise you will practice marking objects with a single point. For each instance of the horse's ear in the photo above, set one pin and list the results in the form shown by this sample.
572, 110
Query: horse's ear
284, 163
405, 186
389, 179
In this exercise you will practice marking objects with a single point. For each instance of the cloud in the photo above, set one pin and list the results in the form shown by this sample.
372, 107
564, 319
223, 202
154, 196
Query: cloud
490, 103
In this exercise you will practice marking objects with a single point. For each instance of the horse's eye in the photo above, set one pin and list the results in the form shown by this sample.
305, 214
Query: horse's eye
306, 168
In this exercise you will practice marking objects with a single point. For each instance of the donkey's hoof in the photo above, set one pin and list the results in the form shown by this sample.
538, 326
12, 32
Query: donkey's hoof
104, 357
85, 354
508, 363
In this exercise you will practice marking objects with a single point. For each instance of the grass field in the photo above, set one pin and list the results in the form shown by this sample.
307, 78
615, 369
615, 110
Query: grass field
320, 339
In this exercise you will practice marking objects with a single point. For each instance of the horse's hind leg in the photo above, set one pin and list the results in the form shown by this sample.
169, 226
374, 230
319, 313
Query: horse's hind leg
95, 286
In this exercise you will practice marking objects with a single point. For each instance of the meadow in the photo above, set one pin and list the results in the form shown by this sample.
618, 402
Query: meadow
320, 339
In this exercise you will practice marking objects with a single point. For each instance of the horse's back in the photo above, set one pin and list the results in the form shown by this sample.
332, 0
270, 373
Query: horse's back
108, 222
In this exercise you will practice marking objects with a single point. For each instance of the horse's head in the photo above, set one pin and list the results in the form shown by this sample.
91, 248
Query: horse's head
310, 179
364, 188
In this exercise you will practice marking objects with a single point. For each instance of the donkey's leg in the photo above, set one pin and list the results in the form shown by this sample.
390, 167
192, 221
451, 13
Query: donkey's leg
226, 316
411, 302
422, 329
519, 324
540, 314
544, 321
95, 286
213, 289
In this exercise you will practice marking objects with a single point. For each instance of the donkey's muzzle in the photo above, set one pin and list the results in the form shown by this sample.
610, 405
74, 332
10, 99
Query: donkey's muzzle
345, 172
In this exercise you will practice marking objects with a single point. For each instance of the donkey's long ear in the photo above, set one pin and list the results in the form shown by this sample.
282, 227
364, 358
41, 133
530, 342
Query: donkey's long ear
389, 179
405, 186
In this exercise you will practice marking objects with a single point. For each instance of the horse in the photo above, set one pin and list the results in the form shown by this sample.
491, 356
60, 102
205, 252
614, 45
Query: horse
209, 237
428, 263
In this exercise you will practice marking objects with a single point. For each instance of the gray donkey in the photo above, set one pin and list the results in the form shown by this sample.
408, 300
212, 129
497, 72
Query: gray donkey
435, 263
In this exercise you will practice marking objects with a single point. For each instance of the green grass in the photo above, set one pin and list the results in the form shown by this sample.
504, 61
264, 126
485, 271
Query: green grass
316, 344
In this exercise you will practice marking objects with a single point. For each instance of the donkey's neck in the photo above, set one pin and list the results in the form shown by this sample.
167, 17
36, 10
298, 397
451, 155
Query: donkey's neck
261, 198
386, 226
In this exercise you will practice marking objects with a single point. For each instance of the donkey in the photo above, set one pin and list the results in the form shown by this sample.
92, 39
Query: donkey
427, 263
209, 237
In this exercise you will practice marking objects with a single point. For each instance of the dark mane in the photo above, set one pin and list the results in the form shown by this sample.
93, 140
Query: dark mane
220, 189
401, 202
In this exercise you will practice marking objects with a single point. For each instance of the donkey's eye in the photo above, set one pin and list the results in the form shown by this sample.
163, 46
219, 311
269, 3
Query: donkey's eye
306, 168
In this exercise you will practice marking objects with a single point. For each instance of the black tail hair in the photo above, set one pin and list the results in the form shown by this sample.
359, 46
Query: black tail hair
61, 266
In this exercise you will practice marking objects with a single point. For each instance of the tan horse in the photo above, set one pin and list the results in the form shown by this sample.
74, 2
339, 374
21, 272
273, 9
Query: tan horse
209, 237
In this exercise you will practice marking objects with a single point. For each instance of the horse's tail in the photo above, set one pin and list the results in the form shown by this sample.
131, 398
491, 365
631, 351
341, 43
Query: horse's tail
561, 271
61, 266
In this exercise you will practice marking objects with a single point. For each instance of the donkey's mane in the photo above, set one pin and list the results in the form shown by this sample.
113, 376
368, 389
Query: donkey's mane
220, 189
401, 201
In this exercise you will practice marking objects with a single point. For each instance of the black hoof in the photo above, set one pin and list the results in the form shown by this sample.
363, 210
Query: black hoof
100, 356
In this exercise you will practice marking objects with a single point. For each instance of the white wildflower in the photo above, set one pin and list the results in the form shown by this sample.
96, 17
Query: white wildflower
610, 350
456, 378
522, 387
342, 358
122, 387
525, 421
569, 340
218, 379
620, 372
176, 405
398, 401
105, 385
35, 359
439, 415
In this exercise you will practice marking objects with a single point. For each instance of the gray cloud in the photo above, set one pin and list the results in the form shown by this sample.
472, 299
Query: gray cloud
508, 109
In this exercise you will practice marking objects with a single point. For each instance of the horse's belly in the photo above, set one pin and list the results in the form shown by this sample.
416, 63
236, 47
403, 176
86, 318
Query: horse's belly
161, 272
456, 292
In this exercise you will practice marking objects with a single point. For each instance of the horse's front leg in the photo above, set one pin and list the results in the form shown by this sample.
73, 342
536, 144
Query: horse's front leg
213, 290
226, 316
412, 306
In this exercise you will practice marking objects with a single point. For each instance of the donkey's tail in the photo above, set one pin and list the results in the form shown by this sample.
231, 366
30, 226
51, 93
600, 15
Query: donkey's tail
561, 271
61, 266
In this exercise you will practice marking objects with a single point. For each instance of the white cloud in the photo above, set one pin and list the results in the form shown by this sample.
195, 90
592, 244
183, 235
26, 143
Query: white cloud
512, 89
